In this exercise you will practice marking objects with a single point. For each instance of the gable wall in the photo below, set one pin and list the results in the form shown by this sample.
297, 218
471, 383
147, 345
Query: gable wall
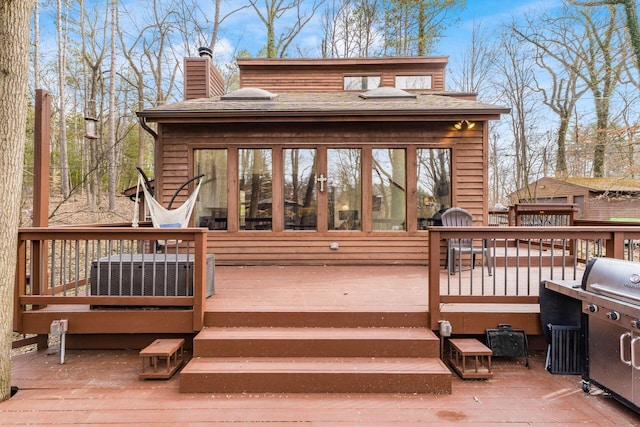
325, 78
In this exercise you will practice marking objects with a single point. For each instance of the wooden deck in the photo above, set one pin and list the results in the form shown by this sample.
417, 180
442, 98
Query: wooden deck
102, 387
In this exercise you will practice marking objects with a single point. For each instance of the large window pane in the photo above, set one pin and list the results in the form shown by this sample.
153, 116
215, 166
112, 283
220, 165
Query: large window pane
434, 185
300, 198
361, 82
413, 82
344, 187
255, 184
388, 190
211, 210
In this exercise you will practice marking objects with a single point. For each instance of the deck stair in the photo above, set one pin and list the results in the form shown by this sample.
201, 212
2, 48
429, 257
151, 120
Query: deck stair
335, 357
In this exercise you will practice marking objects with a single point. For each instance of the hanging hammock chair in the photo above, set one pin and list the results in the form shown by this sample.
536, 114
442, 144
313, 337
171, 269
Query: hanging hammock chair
160, 216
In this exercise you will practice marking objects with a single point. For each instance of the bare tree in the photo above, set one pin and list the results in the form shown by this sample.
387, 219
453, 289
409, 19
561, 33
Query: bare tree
412, 27
631, 20
14, 78
514, 77
111, 151
272, 11
217, 21
561, 93
94, 51
477, 62
62, 31
146, 47
36, 46
628, 133
593, 42
349, 28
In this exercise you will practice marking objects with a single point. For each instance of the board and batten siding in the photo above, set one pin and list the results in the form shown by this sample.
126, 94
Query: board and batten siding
176, 143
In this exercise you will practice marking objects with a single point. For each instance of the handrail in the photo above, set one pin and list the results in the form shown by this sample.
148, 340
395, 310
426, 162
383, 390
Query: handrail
520, 250
55, 263
565, 249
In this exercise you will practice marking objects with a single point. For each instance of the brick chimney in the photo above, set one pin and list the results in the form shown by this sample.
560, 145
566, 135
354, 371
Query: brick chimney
201, 78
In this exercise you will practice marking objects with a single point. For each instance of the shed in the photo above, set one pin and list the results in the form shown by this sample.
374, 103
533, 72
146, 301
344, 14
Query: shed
596, 198
324, 161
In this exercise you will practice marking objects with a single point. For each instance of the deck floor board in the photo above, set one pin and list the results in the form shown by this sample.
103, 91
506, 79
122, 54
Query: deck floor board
102, 387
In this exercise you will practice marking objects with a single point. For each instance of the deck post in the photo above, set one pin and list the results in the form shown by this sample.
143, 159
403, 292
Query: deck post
41, 160
434, 278
20, 284
42, 142
200, 278
615, 245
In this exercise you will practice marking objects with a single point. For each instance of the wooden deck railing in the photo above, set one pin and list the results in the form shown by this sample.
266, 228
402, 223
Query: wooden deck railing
61, 267
520, 257
58, 272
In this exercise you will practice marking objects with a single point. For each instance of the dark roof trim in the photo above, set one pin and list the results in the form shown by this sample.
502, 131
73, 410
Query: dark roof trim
342, 61
257, 115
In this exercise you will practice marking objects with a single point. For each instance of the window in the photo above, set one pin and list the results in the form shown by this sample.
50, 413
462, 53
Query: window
344, 189
434, 185
255, 188
388, 190
361, 82
211, 210
413, 82
300, 198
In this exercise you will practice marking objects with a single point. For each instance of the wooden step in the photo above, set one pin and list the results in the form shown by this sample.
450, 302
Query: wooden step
315, 375
316, 342
315, 318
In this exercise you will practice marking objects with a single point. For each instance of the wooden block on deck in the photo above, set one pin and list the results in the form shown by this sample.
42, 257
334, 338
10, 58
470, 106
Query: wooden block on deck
470, 358
169, 350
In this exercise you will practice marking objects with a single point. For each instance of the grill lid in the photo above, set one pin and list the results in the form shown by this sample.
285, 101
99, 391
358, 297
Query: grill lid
614, 278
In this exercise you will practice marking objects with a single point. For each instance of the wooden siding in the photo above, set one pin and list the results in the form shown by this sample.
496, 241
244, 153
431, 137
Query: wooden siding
328, 75
311, 248
175, 153
202, 80
606, 208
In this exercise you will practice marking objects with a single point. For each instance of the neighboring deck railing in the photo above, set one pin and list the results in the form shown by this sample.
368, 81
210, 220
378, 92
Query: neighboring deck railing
63, 267
520, 257
535, 215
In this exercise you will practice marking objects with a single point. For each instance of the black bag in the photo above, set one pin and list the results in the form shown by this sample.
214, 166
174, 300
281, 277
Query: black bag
508, 342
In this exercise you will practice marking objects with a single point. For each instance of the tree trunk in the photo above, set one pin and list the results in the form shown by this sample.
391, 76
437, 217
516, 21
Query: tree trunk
62, 105
36, 47
113, 167
561, 154
14, 63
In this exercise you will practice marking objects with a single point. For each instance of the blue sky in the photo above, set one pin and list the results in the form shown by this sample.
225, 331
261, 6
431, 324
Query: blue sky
491, 14
246, 29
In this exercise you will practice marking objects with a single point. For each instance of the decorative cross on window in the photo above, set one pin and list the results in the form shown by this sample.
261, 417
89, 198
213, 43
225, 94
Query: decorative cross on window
321, 179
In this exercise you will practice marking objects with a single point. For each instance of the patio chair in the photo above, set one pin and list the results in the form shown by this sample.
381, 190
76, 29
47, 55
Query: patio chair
458, 217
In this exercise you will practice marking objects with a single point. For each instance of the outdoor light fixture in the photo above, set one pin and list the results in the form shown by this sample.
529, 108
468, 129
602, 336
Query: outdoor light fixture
464, 124
90, 127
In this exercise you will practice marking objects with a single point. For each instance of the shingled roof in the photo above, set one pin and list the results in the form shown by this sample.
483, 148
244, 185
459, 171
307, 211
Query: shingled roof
618, 185
330, 103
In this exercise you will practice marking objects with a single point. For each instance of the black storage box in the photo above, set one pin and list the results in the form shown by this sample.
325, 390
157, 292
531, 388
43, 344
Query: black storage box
162, 275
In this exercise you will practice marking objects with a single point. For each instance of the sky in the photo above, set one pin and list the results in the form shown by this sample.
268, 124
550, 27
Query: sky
491, 14
246, 29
